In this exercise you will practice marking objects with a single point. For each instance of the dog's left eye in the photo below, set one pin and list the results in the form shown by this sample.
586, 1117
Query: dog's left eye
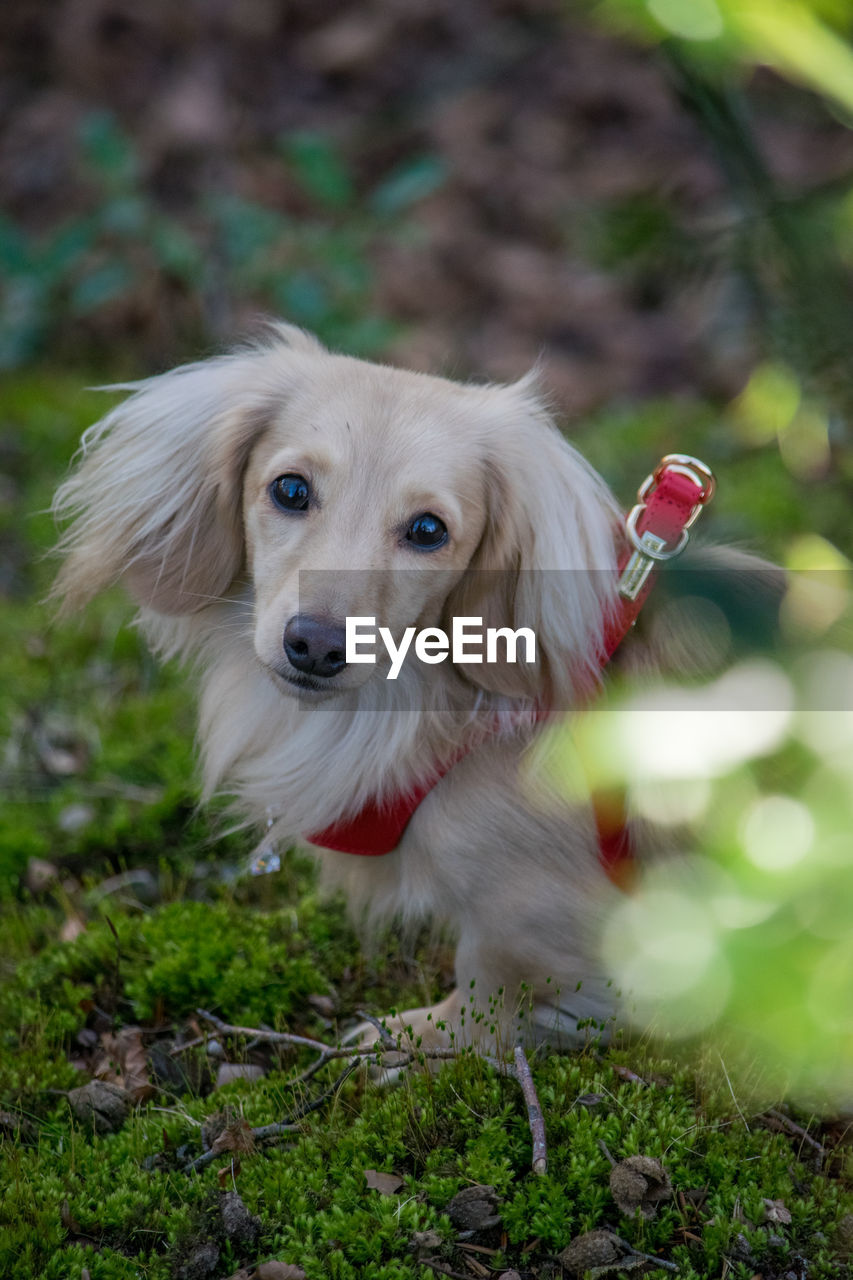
291, 492
427, 532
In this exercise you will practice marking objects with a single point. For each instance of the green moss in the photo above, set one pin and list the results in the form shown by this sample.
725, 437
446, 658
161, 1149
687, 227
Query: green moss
83, 1200
254, 951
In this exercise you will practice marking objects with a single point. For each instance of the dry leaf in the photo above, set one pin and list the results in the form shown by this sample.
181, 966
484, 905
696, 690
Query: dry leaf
625, 1073
483, 1273
423, 1243
235, 1136
386, 1183
227, 1173
124, 1061
640, 1182
776, 1211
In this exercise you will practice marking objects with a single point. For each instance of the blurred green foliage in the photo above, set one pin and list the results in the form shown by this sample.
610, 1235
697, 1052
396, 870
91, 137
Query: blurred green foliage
790, 251
748, 944
752, 935
803, 39
224, 251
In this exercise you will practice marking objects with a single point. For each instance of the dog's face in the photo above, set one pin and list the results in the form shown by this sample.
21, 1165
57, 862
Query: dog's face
366, 497
341, 488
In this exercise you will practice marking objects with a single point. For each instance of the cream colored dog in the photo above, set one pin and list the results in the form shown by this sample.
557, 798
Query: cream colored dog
250, 503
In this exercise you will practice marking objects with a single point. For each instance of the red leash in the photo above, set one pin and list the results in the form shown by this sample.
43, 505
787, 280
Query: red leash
668, 503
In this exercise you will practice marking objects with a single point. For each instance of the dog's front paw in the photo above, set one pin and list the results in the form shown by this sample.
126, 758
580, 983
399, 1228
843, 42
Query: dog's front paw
587, 1016
424, 1036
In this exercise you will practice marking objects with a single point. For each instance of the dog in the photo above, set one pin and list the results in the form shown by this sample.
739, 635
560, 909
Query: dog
251, 503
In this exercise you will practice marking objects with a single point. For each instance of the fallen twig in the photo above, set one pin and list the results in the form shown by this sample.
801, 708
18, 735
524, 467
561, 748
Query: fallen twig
441, 1270
267, 1133
384, 1034
796, 1130
520, 1071
329, 1053
606, 1150
534, 1111
253, 1033
646, 1257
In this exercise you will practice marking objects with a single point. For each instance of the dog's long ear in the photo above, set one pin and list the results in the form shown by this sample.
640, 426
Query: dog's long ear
546, 559
155, 499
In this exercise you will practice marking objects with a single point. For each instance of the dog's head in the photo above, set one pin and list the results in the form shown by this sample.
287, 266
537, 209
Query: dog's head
332, 488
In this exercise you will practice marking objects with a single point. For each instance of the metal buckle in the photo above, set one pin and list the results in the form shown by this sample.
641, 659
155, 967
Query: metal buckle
650, 548
682, 464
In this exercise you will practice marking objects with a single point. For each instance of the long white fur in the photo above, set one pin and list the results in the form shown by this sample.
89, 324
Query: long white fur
156, 500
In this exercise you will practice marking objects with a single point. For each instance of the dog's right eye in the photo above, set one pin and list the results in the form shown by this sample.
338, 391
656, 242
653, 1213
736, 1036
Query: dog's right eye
291, 492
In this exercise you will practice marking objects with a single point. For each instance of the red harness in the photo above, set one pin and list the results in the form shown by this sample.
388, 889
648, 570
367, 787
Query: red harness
668, 503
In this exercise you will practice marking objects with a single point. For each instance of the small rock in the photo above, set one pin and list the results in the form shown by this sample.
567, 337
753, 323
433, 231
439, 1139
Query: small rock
40, 875
201, 1263
741, 1250
74, 817
474, 1209
17, 1128
230, 1071
640, 1182
799, 1269
241, 1227
99, 1103
279, 1271
593, 1249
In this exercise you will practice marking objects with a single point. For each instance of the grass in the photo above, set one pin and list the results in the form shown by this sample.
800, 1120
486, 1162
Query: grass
98, 776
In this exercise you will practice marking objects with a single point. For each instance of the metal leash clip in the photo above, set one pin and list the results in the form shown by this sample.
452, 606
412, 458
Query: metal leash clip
650, 548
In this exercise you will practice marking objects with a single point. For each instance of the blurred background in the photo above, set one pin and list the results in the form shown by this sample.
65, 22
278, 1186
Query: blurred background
653, 198
464, 187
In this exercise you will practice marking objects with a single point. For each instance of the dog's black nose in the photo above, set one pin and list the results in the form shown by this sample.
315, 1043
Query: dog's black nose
318, 648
